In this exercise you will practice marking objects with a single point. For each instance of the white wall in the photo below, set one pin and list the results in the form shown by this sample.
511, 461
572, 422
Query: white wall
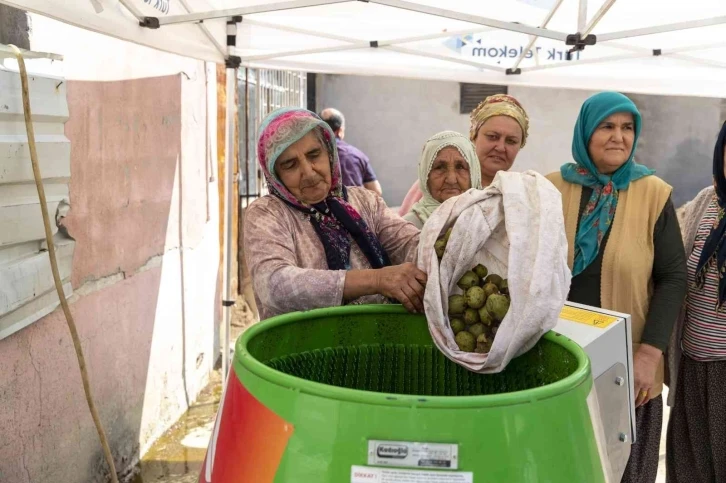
390, 119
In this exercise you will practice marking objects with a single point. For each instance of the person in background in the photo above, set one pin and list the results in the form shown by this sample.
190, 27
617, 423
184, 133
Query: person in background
625, 252
448, 167
312, 242
696, 441
498, 128
354, 164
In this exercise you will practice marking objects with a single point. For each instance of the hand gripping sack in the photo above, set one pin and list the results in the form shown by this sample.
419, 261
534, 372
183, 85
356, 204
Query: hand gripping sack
515, 228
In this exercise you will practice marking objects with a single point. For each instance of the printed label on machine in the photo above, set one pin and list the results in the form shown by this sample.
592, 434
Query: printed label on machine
573, 314
413, 455
367, 474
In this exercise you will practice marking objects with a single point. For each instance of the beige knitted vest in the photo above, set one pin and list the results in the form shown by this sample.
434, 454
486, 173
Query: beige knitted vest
625, 283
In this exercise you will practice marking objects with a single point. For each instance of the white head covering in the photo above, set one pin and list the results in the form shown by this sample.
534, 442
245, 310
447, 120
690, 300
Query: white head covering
436, 143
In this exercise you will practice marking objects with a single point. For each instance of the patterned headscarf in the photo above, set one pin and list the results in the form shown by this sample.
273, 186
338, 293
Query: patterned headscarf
499, 105
334, 219
431, 149
600, 209
714, 249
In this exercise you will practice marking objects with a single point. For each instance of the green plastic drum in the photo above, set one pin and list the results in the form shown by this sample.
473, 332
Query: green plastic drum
310, 390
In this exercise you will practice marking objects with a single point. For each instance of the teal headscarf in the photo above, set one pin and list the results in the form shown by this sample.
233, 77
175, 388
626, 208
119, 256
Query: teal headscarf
600, 210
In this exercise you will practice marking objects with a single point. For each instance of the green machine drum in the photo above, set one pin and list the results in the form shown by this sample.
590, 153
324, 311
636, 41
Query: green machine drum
361, 394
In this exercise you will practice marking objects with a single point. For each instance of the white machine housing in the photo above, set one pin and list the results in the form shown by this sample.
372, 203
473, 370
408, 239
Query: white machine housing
609, 346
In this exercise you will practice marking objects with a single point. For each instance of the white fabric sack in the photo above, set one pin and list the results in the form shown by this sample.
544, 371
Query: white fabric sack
516, 229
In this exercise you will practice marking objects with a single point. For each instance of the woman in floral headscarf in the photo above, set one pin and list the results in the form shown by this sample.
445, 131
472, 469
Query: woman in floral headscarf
312, 242
499, 128
447, 168
696, 442
625, 253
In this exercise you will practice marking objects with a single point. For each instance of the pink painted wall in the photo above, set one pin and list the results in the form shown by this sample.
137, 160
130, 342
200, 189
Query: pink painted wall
144, 275
125, 138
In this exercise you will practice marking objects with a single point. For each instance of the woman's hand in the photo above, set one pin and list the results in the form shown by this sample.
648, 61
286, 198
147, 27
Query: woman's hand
405, 283
646, 363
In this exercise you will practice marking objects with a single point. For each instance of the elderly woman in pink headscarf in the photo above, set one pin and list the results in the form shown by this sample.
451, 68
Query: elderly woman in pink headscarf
312, 242
499, 128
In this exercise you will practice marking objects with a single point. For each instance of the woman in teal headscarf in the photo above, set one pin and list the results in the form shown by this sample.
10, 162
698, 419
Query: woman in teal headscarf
625, 251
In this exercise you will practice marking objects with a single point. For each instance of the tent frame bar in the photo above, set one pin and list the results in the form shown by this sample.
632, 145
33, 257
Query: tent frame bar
381, 43
659, 29
249, 10
597, 17
533, 38
132, 9
464, 17
374, 44
640, 53
154, 22
285, 28
220, 48
360, 44
582, 16
318, 50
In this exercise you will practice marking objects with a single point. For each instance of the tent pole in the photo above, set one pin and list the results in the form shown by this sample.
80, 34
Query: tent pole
227, 300
227, 274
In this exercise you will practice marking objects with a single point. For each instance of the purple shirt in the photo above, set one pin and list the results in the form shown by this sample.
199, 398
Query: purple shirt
355, 166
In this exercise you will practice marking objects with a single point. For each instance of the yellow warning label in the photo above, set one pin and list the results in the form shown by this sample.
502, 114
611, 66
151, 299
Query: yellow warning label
586, 317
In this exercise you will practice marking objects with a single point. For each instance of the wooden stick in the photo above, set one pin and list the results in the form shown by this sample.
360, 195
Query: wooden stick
54, 264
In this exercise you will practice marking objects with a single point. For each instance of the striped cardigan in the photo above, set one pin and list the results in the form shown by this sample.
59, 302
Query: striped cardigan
689, 217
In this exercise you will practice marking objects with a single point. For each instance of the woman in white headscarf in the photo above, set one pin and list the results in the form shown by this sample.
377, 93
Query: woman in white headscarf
448, 167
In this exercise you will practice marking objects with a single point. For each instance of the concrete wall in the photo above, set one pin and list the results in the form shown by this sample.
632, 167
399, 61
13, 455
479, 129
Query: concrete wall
679, 134
145, 268
390, 118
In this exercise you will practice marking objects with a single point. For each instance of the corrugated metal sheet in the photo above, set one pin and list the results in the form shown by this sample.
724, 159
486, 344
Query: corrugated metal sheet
27, 291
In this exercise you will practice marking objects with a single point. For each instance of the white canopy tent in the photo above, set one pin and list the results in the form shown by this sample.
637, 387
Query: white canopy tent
640, 46
643, 46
